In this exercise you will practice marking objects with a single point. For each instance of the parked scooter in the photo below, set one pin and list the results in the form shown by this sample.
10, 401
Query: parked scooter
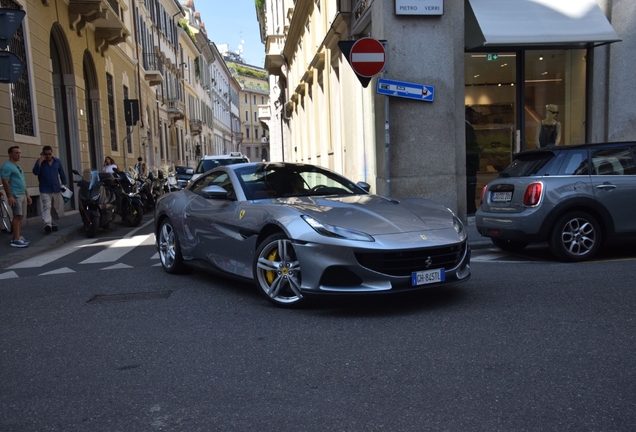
102, 196
144, 187
129, 202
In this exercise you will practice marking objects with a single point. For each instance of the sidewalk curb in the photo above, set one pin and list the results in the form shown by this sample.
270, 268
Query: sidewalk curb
42, 246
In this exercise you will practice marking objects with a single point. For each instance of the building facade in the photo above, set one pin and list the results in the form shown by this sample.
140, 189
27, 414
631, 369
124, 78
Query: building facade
253, 97
115, 78
571, 64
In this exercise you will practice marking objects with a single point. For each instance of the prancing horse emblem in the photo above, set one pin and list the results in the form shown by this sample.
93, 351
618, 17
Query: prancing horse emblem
241, 214
428, 262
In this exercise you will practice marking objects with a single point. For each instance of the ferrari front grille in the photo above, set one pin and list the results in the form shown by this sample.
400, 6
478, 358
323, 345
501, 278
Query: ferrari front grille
403, 263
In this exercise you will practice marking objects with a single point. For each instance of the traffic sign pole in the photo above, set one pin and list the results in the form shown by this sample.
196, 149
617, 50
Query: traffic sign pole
387, 137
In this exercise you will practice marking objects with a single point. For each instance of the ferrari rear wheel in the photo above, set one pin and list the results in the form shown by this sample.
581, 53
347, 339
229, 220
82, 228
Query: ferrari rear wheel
277, 271
169, 248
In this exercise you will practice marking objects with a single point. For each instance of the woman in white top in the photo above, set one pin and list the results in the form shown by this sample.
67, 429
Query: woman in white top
109, 165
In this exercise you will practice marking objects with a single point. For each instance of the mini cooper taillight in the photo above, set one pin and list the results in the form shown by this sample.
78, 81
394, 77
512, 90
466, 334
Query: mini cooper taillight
532, 195
483, 195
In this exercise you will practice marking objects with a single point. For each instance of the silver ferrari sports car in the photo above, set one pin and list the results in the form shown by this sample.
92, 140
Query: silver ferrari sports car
298, 229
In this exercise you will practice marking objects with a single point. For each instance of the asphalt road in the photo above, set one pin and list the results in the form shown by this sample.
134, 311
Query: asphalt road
522, 346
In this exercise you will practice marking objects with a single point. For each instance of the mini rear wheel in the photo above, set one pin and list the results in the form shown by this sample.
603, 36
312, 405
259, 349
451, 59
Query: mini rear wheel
575, 236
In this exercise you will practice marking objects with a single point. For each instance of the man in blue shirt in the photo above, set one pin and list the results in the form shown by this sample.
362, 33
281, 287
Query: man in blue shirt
50, 171
17, 195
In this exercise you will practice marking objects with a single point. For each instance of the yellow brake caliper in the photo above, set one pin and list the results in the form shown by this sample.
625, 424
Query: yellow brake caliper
270, 275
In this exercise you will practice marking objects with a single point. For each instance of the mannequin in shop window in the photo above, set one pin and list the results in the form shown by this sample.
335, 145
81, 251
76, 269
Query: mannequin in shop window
549, 131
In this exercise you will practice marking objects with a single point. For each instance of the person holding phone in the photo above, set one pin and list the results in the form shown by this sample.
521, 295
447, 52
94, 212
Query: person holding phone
52, 181
109, 165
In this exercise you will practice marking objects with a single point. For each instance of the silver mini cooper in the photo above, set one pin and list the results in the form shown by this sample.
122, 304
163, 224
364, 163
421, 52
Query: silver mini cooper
574, 197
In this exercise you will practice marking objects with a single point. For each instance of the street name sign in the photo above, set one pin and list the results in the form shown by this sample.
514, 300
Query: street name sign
10, 20
419, 7
406, 90
367, 57
10, 67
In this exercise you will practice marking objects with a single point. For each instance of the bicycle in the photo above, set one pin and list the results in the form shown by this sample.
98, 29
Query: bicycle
5, 212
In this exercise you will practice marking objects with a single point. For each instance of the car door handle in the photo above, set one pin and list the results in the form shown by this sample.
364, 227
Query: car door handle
606, 186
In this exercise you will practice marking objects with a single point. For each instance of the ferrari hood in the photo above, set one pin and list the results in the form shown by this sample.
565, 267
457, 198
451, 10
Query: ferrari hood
374, 214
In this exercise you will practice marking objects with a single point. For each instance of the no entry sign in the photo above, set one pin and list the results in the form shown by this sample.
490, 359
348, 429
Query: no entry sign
367, 57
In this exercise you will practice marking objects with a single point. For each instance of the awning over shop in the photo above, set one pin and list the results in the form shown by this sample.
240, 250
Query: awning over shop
535, 23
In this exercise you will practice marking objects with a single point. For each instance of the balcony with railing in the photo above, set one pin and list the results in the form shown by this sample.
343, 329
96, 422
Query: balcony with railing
176, 109
153, 68
103, 15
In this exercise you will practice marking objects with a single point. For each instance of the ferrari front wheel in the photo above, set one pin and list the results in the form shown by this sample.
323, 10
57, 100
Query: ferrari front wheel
277, 271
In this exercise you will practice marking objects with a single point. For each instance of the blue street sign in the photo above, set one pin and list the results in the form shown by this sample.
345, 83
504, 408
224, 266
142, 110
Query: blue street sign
406, 90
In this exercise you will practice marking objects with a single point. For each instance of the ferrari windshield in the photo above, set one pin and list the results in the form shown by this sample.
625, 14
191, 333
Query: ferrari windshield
262, 181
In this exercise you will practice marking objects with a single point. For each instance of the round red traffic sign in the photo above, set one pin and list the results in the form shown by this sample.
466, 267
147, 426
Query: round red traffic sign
367, 57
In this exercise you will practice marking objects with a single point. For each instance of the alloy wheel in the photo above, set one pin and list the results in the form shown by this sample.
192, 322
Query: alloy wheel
278, 271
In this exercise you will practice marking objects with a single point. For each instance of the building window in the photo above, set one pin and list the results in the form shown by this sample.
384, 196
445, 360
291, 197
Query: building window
20, 90
111, 112
256, 132
247, 133
246, 101
262, 100
128, 128
255, 116
254, 99
248, 152
247, 116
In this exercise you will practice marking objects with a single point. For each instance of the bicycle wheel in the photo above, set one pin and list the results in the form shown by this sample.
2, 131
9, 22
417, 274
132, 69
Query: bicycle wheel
7, 216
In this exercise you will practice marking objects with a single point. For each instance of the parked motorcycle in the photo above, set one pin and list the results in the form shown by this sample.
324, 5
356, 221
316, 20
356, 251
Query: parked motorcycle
157, 182
102, 196
144, 187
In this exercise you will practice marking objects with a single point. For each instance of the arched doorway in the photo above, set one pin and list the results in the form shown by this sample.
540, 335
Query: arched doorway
65, 101
93, 123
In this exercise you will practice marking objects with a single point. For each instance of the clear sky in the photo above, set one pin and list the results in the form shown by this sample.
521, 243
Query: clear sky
233, 22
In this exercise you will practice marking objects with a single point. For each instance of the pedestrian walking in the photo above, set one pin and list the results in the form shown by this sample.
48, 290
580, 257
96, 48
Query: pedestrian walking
17, 194
52, 181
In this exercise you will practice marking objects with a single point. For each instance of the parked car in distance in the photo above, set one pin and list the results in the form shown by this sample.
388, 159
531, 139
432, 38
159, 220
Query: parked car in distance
296, 229
574, 197
208, 162
183, 175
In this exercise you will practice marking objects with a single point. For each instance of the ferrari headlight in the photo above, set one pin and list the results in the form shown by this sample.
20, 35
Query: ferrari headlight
335, 231
459, 227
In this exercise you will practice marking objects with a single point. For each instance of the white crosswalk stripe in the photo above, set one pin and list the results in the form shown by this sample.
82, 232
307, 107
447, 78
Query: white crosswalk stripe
120, 248
58, 271
9, 275
117, 266
108, 252
49, 257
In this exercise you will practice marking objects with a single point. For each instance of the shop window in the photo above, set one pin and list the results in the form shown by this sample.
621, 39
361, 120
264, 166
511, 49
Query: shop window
554, 106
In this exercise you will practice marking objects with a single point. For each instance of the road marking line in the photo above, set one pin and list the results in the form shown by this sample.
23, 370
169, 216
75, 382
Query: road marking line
9, 275
49, 257
117, 250
117, 266
58, 271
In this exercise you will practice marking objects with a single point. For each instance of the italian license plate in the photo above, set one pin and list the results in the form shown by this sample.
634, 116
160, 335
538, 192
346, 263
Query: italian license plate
501, 196
427, 277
